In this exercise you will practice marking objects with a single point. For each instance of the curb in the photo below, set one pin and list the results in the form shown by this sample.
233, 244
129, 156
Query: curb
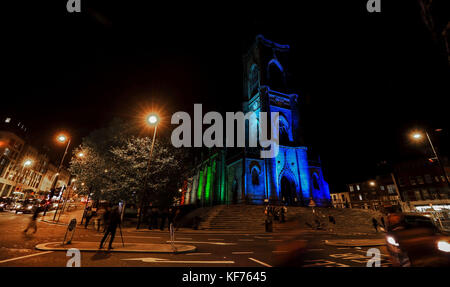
187, 248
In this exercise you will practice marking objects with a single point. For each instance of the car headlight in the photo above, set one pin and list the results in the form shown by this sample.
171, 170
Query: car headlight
2, 204
30, 207
391, 240
443, 246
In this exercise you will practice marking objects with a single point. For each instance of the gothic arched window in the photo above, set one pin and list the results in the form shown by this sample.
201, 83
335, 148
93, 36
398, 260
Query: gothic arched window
284, 130
316, 182
255, 177
275, 75
253, 80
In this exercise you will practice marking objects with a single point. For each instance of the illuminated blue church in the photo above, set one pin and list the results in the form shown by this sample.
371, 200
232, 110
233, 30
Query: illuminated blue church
227, 176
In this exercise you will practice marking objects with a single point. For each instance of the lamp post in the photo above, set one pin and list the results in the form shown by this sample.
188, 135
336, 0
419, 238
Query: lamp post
152, 120
62, 139
419, 136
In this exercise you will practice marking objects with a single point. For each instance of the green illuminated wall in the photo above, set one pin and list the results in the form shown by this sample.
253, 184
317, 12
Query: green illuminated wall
200, 185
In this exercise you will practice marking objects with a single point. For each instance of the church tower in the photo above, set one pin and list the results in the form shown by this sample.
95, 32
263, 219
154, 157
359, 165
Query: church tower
290, 177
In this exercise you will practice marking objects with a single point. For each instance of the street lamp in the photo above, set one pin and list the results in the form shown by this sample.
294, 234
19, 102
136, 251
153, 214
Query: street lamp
419, 136
152, 120
372, 183
80, 154
62, 139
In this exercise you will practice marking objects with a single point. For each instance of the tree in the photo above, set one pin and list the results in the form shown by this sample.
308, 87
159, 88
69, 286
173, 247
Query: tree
164, 174
114, 166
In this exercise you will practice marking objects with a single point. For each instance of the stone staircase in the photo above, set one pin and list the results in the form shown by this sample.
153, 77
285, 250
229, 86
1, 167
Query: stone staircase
251, 218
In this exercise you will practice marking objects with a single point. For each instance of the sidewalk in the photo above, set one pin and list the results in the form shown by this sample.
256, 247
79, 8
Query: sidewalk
356, 242
117, 247
65, 218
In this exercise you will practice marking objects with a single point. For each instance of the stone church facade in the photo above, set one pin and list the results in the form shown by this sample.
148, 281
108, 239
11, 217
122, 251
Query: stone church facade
227, 176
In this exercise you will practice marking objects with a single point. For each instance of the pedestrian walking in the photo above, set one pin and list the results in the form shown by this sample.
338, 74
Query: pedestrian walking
176, 217
375, 224
106, 218
282, 213
89, 215
170, 217
114, 221
164, 215
33, 220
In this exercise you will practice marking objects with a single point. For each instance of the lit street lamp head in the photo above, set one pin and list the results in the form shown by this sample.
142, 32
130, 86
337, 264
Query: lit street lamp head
417, 136
153, 119
27, 162
372, 183
61, 138
80, 154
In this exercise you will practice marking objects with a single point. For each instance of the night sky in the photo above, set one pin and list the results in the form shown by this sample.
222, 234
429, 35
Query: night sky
364, 80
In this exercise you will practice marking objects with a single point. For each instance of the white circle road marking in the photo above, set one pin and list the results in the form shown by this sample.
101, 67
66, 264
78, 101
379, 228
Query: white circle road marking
26, 256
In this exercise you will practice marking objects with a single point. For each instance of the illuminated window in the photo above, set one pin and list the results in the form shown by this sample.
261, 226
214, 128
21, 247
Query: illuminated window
357, 187
351, 188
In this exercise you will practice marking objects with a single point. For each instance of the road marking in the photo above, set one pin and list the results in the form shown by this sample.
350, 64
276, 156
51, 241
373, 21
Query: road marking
26, 256
214, 239
246, 240
161, 260
260, 262
132, 236
203, 242
193, 254
242, 252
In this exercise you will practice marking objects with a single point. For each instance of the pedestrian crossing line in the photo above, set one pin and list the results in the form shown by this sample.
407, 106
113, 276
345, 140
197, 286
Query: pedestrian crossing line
259, 262
242, 252
26, 256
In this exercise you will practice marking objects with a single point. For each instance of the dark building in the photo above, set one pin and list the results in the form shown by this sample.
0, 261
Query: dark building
376, 194
421, 183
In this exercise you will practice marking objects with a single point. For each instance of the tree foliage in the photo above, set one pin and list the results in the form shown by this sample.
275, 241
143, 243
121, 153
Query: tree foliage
114, 166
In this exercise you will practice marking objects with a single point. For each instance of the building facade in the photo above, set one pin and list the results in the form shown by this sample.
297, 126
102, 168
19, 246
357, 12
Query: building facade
241, 175
340, 200
422, 185
377, 194
24, 170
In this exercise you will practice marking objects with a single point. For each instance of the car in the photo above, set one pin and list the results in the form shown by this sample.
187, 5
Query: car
28, 206
414, 240
5, 203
